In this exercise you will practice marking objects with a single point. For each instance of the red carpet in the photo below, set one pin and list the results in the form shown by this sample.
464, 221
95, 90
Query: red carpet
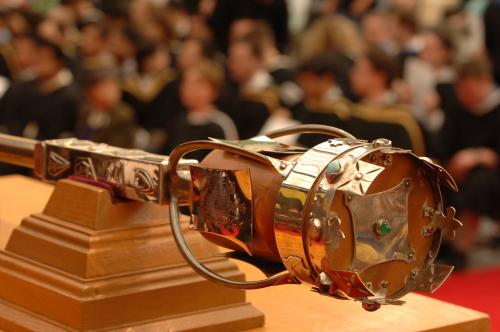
475, 289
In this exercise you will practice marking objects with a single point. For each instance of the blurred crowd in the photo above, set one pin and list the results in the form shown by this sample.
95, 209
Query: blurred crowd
152, 74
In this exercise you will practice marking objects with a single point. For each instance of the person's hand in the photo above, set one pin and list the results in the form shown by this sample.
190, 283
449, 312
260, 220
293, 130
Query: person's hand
465, 160
431, 101
403, 91
488, 157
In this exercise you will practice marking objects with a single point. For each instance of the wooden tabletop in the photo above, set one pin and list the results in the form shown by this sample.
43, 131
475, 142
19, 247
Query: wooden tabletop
289, 307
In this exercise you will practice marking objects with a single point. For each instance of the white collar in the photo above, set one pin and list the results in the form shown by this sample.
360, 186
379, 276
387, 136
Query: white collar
489, 103
258, 82
200, 118
61, 79
334, 93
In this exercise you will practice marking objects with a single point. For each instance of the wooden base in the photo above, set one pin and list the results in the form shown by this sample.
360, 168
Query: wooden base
86, 264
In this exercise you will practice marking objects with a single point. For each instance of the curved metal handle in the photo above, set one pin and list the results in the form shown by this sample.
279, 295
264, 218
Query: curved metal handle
175, 223
310, 129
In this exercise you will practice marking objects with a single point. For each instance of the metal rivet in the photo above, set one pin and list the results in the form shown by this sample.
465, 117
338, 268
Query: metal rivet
315, 229
381, 142
413, 274
411, 255
384, 284
282, 166
349, 198
407, 182
358, 176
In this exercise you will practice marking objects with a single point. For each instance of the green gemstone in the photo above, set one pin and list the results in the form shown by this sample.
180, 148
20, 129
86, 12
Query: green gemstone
384, 228
333, 168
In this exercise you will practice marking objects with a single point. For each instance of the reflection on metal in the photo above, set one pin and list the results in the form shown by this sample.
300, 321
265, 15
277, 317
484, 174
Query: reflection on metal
222, 204
358, 220
443, 175
133, 174
145, 184
390, 206
263, 144
432, 277
56, 164
334, 234
84, 167
342, 219
448, 223
358, 181
283, 167
294, 194
295, 265
347, 284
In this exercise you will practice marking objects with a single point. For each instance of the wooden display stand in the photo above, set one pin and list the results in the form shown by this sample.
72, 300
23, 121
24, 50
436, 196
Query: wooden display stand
87, 263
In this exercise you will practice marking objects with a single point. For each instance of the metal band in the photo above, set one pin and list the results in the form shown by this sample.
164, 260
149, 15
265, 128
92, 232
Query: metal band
294, 199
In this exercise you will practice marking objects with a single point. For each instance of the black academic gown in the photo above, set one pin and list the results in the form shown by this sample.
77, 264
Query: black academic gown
480, 190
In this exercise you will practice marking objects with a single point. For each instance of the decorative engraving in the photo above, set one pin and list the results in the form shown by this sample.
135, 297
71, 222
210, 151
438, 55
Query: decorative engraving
359, 180
222, 204
130, 174
84, 167
114, 172
57, 164
145, 184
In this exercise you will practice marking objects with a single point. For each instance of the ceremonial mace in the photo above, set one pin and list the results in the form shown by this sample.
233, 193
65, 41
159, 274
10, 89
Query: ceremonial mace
356, 219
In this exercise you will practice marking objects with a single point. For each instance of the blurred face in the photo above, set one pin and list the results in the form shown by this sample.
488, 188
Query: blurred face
105, 93
363, 77
50, 30
313, 85
242, 63
434, 52
240, 28
157, 62
47, 64
471, 91
190, 54
25, 50
196, 92
91, 41
120, 45
375, 29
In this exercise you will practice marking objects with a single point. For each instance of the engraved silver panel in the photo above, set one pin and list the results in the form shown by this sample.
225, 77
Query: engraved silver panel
221, 204
133, 174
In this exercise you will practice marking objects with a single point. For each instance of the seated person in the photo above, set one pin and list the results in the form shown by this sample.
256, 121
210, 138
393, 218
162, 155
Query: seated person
256, 99
430, 77
150, 91
152, 94
378, 113
44, 107
323, 99
471, 150
199, 89
278, 65
103, 116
